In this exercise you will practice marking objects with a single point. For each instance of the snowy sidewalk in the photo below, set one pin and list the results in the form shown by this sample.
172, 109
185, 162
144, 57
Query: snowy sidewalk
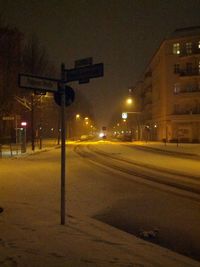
82, 242
13, 150
181, 148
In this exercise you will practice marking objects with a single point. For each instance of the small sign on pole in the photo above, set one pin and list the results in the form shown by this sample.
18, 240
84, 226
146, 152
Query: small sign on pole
124, 115
83, 62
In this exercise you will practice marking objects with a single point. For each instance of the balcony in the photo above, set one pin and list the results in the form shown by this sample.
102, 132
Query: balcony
188, 90
189, 72
194, 52
195, 111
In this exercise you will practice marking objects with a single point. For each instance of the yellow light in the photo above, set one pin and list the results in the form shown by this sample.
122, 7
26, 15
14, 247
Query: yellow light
129, 101
77, 116
86, 118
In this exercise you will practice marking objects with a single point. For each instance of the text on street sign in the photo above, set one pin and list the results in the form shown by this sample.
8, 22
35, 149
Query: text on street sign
84, 73
38, 83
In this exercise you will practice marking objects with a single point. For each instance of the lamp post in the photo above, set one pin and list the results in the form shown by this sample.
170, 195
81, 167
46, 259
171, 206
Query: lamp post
23, 147
129, 104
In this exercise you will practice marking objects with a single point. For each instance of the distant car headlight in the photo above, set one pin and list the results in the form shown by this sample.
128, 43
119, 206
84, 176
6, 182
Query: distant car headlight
101, 135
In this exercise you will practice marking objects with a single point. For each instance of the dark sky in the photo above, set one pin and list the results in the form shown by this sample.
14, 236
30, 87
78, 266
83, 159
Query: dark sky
123, 34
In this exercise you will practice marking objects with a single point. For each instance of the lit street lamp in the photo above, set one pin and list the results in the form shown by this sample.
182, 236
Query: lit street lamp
129, 101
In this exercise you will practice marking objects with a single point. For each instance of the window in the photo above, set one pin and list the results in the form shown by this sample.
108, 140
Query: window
176, 68
176, 109
199, 67
176, 48
189, 48
189, 67
176, 88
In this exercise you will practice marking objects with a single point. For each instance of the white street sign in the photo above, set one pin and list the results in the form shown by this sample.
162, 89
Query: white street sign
124, 115
38, 83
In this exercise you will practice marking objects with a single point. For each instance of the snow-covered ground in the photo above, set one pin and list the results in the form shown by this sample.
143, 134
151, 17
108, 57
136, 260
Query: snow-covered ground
30, 233
179, 148
174, 163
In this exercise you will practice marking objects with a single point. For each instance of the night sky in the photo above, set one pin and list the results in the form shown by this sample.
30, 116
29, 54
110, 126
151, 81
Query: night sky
123, 34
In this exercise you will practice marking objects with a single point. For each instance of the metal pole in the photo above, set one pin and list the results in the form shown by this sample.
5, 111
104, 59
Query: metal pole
32, 123
63, 137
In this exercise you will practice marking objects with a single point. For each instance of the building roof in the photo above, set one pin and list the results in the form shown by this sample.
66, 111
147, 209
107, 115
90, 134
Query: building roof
184, 32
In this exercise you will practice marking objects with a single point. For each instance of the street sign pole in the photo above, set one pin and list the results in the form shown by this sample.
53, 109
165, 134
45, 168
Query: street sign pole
63, 138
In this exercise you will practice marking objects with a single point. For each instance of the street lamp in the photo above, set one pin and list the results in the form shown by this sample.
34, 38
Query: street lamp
78, 116
129, 101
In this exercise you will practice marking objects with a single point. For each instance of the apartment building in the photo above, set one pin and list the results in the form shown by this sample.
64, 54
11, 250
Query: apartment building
170, 91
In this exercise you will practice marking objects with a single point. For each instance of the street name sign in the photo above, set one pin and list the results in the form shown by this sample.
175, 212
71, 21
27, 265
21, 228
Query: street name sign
83, 62
38, 83
83, 74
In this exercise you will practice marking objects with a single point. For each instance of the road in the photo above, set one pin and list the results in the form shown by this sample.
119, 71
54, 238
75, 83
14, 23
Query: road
150, 197
129, 196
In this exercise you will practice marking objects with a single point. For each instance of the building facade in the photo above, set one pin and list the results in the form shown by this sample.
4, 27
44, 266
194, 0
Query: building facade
170, 90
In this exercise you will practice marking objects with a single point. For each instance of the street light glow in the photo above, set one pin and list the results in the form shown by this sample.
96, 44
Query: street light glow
129, 101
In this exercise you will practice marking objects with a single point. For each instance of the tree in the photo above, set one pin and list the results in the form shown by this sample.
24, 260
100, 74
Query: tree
35, 61
10, 48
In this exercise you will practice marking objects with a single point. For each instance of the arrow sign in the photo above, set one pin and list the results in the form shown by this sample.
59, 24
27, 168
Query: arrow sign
83, 74
38, 83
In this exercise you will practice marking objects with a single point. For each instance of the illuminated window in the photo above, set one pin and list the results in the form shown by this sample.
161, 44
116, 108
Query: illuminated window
176, 88
199, 67
189, 48
176, 48
176, 68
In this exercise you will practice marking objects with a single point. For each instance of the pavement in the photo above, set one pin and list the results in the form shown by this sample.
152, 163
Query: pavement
186, 149
15, 150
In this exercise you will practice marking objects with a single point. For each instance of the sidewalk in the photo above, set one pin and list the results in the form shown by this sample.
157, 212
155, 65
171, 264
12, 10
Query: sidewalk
13, 150
181, 148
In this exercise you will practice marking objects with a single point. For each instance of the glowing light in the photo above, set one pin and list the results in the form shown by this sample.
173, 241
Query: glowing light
23, 123
129, 101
